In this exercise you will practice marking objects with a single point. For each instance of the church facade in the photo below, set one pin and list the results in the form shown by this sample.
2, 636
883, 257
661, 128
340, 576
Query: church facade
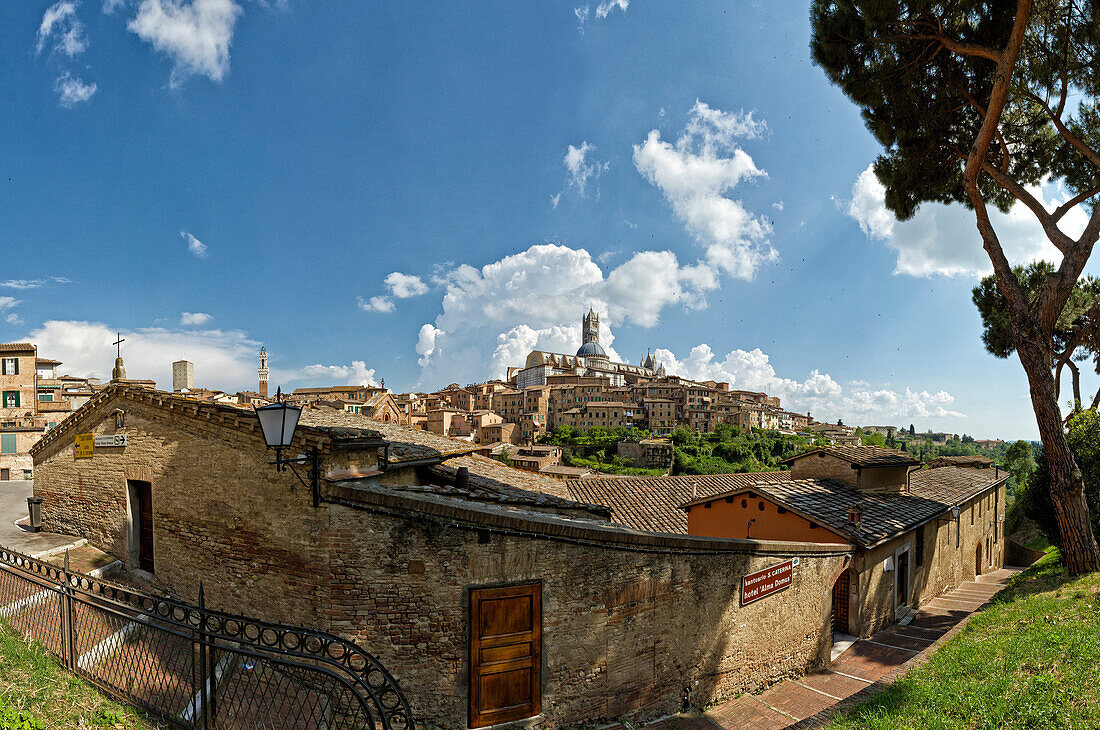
590, 360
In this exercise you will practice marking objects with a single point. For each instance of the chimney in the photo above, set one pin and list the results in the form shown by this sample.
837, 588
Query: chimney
183, 376
462, 478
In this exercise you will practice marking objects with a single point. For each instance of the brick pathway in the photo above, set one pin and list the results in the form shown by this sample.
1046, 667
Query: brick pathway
857, 674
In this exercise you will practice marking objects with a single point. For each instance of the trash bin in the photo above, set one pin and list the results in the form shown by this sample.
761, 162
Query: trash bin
34, 506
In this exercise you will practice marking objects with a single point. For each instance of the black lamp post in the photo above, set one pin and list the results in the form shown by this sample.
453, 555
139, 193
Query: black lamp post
279, 421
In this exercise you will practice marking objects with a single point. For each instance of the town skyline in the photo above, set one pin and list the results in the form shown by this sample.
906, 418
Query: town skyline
780, 271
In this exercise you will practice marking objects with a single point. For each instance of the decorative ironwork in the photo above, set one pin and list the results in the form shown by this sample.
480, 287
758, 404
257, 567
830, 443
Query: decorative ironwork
194, 666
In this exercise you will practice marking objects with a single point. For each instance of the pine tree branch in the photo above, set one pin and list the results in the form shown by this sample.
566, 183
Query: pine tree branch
1056, 118
1070, 204
1050, 226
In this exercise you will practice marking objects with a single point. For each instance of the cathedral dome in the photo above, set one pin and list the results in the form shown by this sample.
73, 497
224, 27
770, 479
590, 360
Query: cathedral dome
591, 349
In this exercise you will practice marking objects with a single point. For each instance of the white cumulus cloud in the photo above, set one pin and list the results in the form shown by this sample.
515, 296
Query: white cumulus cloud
72, 91
698, 172
194, 319
404, 286
355, 374
381, 304
581, 169
494, 315
194, 245
62, 28
818, 393
942, 239
606, 6
196, 35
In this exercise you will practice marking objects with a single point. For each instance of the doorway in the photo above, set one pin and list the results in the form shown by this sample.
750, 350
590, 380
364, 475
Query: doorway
141, 524
5, 474
978, 561
841, 594
901, 584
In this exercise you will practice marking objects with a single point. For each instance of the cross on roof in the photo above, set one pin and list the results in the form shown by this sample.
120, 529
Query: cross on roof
118, 343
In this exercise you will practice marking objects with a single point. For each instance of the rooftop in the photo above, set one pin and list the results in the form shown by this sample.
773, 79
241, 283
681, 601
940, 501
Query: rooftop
863, 456
932, 493
652, 504
16, 347
406, 444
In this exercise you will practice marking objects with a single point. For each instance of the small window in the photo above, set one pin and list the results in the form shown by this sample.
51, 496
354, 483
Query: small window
11, 399
45, 397
7, 443
920, 546
9, 366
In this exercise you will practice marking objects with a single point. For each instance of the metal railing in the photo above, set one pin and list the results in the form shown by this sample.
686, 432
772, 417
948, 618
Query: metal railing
193, 666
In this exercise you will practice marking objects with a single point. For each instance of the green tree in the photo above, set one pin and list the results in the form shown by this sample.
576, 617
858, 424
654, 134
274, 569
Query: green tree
1075, 333
912, 430
969, 101
872, 438
1020, 463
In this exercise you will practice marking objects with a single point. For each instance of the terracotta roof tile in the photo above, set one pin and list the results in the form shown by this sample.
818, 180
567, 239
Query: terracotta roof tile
864, 456
16, 347
406, 444
653, 504
931, 494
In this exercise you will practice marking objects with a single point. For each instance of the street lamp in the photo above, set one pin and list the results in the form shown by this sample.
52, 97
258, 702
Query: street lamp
278, 422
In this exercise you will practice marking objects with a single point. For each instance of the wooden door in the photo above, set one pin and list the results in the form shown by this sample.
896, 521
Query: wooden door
902, 570
841, 593
145, 525
505, 654
978, 560
5, 475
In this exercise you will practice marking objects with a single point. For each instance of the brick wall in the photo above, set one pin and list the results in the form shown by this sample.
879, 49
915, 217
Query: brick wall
824, 466
624, 633
629, 623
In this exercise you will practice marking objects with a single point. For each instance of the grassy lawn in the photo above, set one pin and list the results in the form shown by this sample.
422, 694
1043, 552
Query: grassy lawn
1030, 660
37, 692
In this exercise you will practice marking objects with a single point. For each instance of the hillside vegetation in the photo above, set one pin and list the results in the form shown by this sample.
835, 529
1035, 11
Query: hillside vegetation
730, 451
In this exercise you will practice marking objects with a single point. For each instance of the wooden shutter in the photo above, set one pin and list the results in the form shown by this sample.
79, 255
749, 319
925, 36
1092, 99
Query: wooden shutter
505, 654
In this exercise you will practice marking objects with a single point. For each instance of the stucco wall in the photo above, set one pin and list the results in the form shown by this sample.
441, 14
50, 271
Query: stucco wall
722, 518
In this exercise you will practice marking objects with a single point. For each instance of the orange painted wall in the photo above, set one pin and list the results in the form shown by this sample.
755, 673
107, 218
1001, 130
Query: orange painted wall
731, 519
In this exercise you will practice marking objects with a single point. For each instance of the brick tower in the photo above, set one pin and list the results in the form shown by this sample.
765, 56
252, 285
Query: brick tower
263, 372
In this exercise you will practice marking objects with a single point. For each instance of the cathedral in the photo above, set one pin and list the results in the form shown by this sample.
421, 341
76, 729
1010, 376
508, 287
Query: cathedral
591, 360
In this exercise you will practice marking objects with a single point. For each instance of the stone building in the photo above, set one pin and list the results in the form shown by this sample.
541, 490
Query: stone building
909, 546
492, 594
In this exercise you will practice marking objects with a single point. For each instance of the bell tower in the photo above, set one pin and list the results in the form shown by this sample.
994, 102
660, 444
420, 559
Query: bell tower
590, 327
263, 372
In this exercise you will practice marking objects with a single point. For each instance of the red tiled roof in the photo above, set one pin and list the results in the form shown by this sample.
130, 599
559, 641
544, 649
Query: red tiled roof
653, 503
863, 456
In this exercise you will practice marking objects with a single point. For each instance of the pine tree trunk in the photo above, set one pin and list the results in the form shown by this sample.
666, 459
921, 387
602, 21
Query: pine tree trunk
1067, 486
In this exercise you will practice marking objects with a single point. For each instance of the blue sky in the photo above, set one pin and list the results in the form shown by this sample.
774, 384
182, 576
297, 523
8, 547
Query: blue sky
423, 192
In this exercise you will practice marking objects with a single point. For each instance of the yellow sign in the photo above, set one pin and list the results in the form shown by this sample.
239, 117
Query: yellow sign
84, 445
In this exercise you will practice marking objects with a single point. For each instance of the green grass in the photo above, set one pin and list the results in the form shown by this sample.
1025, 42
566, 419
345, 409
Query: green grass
1029, 660
37, 692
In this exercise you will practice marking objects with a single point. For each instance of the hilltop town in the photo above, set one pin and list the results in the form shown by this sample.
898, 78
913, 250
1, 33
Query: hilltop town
512, 418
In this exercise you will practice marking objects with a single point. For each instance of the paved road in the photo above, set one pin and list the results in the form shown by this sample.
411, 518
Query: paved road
13, 506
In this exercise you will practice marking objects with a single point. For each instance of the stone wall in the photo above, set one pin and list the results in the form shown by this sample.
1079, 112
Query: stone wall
631, 621
221, 514
625, 633
944, 566
824, 466
646, 456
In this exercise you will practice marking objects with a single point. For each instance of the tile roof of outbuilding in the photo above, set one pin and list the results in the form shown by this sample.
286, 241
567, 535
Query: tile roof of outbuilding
932, 492
863, 456
653, 504
406, 444
16, 347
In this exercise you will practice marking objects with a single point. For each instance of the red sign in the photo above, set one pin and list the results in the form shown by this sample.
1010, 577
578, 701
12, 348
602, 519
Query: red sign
763, 583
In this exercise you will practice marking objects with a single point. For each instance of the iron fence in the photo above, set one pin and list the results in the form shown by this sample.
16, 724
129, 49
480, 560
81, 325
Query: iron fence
193, 666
